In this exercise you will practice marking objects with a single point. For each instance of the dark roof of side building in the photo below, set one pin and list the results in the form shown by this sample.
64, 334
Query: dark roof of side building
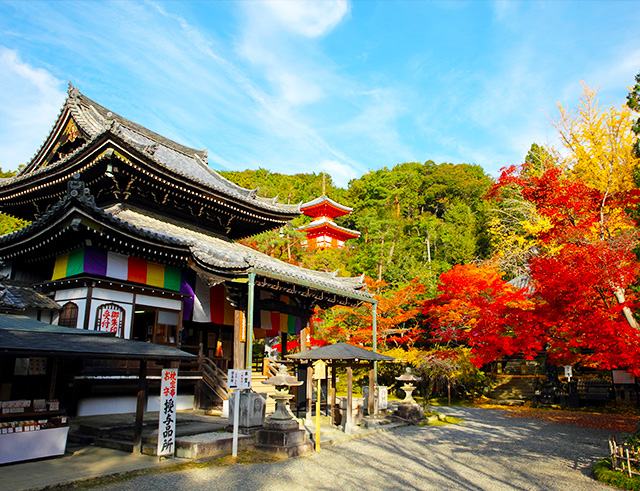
16, 297
24, 336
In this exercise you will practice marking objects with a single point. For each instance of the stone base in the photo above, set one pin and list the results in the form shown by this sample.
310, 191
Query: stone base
244, 430
410, 412
291, 443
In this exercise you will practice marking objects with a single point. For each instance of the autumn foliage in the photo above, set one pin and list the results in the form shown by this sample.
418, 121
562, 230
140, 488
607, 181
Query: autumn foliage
577, 302
478, 309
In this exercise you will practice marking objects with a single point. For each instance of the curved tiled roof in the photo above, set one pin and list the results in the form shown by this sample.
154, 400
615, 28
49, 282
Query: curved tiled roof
330, 223
215, 252
218, 252
95, 119
325, 200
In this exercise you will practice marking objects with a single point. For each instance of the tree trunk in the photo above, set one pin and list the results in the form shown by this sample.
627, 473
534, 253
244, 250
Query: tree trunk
619, 293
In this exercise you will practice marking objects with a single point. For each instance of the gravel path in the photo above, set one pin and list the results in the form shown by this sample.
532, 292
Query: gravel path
490, 451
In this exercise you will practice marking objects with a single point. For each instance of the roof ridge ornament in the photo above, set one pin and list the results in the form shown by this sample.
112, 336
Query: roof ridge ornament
72, 91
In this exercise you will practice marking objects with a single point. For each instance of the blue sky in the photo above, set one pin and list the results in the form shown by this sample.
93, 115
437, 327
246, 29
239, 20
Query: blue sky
334, 86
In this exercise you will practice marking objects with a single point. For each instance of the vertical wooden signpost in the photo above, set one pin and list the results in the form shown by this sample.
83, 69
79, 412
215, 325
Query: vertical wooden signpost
168, 407
319, 372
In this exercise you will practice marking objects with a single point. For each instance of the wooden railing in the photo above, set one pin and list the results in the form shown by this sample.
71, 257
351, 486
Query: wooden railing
624, 458
213, 377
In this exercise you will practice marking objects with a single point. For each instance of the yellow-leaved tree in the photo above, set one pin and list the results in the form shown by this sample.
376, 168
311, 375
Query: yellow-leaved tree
600, 144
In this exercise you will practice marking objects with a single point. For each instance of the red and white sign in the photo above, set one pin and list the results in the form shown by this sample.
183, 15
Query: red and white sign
168, 407
110, 318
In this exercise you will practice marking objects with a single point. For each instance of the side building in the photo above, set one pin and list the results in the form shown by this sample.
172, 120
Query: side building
133, 234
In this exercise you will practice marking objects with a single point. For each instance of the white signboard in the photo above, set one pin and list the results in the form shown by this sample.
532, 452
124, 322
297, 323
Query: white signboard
110, 318
623, 377
382, 397
568, 371
238, 379
168, 406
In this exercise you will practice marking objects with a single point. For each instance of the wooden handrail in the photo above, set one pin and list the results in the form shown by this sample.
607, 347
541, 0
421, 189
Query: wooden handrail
212, 375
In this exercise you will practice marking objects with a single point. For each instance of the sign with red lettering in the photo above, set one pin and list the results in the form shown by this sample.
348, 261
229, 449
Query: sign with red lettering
168, 407
110, 318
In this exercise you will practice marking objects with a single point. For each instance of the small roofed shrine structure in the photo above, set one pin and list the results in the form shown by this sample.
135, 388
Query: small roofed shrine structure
341, 355
134, 234
323, 232
38, 362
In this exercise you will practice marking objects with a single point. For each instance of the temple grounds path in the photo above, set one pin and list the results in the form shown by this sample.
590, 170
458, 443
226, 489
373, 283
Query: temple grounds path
489, 451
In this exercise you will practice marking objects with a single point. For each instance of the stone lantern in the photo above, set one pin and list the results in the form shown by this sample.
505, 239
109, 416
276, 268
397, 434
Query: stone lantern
408, 378
281, 433
282, 418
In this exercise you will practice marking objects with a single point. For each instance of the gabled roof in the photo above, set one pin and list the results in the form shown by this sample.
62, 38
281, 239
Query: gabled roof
94, 120
214, 253
324, 202
340, 351
325, 222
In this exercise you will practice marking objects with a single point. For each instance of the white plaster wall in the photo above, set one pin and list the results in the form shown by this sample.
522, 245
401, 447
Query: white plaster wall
92, 406
81, 303
112, 295
163, 303
70, 294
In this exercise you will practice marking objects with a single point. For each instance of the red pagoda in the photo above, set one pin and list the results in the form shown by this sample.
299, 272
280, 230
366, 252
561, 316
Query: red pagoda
323, 232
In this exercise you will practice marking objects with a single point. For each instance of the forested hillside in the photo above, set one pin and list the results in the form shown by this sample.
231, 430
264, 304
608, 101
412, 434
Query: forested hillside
416, 219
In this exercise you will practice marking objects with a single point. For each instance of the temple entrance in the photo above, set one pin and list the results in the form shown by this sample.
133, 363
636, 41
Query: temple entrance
155, 325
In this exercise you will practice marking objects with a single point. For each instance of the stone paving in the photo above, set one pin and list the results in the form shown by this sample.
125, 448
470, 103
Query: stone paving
489, 451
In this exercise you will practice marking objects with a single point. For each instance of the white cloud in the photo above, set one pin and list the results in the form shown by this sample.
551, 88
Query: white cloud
503, 10
29, 102
310, 18
340, 173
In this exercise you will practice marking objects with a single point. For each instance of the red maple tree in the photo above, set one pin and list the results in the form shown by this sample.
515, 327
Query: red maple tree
579, 304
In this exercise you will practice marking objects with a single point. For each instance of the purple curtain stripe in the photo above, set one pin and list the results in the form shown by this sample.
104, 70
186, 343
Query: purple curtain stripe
95, 261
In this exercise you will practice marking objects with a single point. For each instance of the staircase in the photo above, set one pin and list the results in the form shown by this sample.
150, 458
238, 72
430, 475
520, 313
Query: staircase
213, 389
515, 387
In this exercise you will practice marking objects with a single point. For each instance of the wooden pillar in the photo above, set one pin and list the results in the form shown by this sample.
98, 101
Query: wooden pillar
238, 337
327, 396
371, 409
53, 376
303, 339
140, 407
284, 337
309, 391
333, 392
348, 420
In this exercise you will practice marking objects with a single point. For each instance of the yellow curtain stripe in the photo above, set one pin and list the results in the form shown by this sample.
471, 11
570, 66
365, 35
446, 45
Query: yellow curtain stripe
60, 268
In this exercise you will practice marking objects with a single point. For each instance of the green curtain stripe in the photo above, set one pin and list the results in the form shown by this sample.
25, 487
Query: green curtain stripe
172, 278
291, 324
76, 262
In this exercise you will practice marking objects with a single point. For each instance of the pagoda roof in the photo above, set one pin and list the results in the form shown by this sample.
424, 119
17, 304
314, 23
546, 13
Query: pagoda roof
95, 120
324, 202
212, 253
325, 222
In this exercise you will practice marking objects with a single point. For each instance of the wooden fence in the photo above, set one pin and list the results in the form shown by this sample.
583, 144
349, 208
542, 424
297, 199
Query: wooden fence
624, 457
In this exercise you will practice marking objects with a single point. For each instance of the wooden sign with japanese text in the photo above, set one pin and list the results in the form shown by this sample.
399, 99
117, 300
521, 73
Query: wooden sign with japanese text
110, 318
238, 379
168, 407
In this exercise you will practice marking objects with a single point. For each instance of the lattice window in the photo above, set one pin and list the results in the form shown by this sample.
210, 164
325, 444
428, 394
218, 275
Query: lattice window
68, 315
